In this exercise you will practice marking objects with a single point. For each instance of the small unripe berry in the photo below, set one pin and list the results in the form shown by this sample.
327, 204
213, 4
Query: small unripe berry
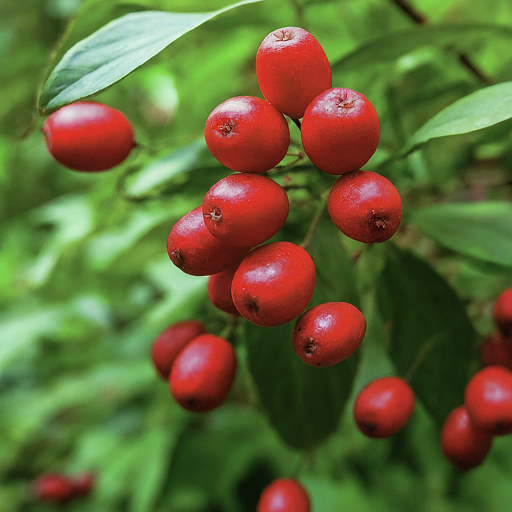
203, 373
328, 333
340, 131
365, 206
82, 484
502, 312
52, 488
496, 349
284, 495
219, 290
383, 407
87, 136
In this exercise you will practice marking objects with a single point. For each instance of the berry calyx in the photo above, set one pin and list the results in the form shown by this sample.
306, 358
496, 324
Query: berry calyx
496, 349
340, 131
170, 342
87, 136
203, 373
274, 284
219, 290
328, 333
383, 407
502, 312
284, 495
292, 69
365, 206
247, 134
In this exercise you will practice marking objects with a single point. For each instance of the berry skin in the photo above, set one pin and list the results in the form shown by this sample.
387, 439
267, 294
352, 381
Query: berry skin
292, 69
247, 134
87, 136
245, 210
284, 495
488, 399
219, 290
52, 488
170, 342
328, 333
383, 407
203, 372
82, 484
496, 349
274, 284
365, 206
340, 131
464, 445
502, 312
194, 250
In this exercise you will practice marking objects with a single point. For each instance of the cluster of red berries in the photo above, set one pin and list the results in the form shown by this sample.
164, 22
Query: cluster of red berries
57, 488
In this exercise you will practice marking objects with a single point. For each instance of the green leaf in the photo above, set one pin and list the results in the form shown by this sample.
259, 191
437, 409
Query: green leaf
114, 51
431, 335
304, 403
480, 230
481, 109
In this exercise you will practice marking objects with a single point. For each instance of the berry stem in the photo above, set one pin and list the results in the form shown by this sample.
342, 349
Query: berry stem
316, 219
420, 357
230, 328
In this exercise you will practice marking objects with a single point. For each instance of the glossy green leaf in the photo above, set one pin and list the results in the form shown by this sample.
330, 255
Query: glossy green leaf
114, 51
480, 230
303, 403
430, 332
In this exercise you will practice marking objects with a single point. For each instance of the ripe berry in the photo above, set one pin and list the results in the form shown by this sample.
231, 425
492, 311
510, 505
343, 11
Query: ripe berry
88, 136
496, 349
464, 445
245, 210
502, 312
488, 399
365, 206
284, 495
292, 69
193, 249
219, 290
170, 342
247, 134
82, 484
328, 333
274, 283
340, 131
53, 488
383, 407
203, 372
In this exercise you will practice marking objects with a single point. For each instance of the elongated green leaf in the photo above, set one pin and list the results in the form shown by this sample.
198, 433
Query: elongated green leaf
480, 230
304, 403
431, 334
114, 51
481, 109
392, 46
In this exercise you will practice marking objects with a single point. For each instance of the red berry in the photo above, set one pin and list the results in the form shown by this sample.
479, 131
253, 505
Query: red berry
292, 69
502, 312
488, 399
203, 372
219, 290
464, 445
88, 136
245, 210
284, 495
328, 333
496, 349
365, 206
340, 131
383, 407
52, 487
82, 484
247, 134
193, 249
170, 342
274, 283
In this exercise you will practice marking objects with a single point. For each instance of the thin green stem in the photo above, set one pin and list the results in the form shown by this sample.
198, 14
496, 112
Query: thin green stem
316, 219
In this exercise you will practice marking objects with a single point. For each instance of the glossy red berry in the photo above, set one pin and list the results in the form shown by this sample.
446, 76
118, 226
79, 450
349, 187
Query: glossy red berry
496, 349
383, 407
203, 373
340, 131
193, 249
464, 445
284, 495
82, 484
292, 69
88, 136
328, 333
247, 134
488, 399
502, 312
170, 342
52, 488
365, 206
274, 284
219, 290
